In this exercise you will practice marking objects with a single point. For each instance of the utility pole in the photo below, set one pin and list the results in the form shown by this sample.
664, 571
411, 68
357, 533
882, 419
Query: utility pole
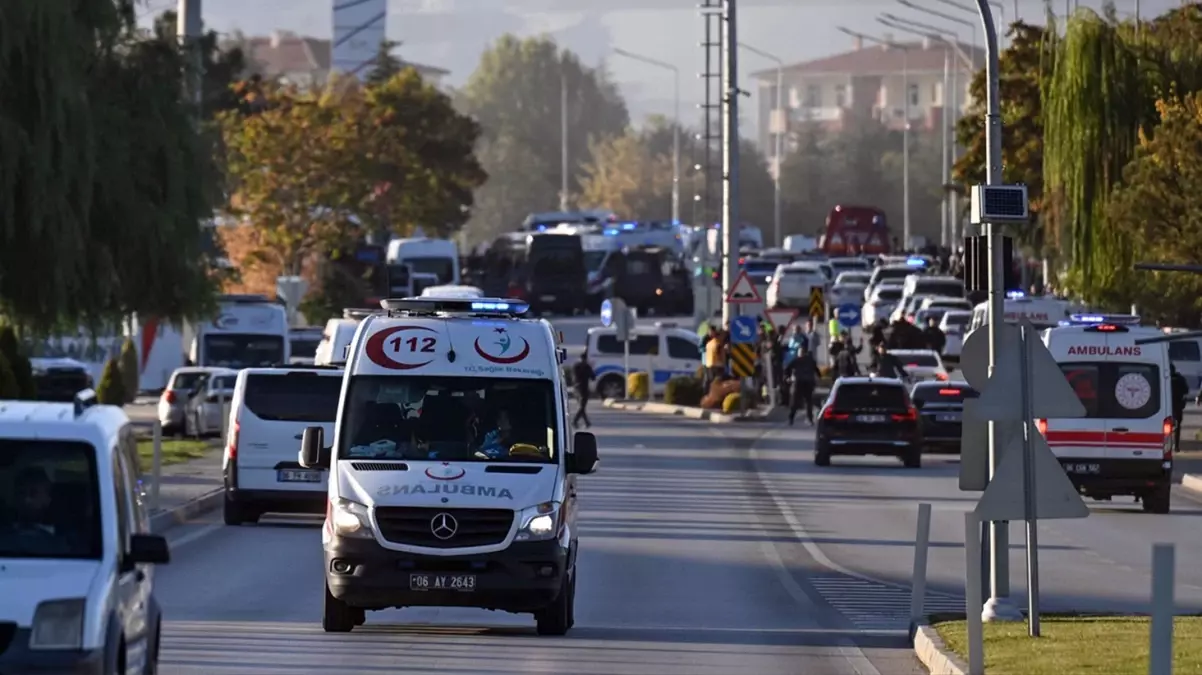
563, 140
906, 231
944, 233
189, 27
730, 156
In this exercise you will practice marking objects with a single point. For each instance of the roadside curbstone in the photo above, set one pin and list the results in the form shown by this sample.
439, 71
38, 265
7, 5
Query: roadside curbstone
165, 519
930, 650
1192, 482
691, 412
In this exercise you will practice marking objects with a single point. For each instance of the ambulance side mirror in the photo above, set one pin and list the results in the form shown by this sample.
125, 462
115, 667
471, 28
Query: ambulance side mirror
313, 454
583, 459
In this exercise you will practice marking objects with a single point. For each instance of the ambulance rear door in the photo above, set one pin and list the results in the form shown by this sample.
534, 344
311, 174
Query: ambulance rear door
1081, 439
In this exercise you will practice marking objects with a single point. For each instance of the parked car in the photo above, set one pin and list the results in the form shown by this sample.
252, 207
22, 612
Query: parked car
203, 416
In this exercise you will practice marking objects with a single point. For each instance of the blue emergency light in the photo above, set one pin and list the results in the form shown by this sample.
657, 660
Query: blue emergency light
1015, 295
609, 233
629, 226
916, 262
477, 306
1093, 319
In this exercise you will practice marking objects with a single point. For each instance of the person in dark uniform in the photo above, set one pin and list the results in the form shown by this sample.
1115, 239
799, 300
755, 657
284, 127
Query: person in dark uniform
1180, 394
935, 338
888, 365
803, 371
582, 378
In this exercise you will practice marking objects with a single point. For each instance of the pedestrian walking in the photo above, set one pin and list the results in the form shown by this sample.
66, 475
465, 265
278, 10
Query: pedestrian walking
582, 379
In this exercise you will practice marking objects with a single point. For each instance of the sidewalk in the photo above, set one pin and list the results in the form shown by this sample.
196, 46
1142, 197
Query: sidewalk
188, 489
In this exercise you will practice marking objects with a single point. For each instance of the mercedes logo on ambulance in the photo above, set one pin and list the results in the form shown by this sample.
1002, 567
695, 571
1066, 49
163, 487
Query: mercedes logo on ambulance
445, 472
444, 526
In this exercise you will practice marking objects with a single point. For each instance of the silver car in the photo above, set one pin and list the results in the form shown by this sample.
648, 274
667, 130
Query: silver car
174, 399
203, 416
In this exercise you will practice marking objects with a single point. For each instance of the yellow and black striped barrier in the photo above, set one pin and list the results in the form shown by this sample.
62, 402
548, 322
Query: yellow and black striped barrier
742, 360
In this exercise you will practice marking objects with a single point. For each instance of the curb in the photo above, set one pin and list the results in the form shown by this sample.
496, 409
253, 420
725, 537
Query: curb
165, 519
937, 658
1192, 482
711, 416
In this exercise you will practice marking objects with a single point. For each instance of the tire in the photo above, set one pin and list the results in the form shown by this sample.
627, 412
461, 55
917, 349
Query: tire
912, 459
611, 386
152, 655
1157, 501
232, 511
822, 457
360, 616
557, 618
336, 615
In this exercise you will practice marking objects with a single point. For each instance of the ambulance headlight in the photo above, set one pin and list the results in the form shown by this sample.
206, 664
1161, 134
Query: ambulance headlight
539, 522
58, 624
350, 519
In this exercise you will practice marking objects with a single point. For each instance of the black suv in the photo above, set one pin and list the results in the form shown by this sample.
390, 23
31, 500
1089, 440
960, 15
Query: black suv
869, 416
940, 409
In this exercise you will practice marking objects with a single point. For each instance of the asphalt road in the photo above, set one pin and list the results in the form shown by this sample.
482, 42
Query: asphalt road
861, 514
687, 567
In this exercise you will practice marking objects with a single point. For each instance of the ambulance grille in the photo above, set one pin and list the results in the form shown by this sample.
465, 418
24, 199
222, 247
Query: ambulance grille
414, 526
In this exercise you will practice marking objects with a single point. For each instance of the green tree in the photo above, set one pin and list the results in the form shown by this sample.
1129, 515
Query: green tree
624, 174
8, 383
18, 362
386, 65
1023, 65
111, 390
222, 66
129, 370
805, 180
516, 95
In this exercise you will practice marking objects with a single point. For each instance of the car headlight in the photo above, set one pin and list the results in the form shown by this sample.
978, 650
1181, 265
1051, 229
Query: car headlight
38, 371
58, 624
539, 522
350, 519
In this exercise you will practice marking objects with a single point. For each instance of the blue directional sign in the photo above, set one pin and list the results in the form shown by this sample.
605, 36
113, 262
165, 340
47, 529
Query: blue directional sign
743, 330
607, 313
848, 315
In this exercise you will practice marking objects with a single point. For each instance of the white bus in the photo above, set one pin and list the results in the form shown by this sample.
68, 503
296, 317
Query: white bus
248, 331
423, 255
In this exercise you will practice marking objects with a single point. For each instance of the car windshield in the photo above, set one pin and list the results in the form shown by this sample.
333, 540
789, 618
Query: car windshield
857, 278
443, 268
938, 287
304, 348
223, 382
49, 500
960, 320
925, 315
942, 393
913, 360
456, 419
186, 381
243, 351
859, 396
293, 397
889, 294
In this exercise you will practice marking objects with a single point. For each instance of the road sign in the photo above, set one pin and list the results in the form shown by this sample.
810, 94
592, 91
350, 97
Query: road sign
974, 353
817, 302
848, 315
743, 291
974, 446
607, 313
742, 360
1055, 496
782, 318
743, 330
622, 319
1051, 396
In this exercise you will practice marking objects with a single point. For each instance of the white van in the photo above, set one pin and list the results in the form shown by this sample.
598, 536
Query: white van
439, 257
893, 274
269, 410
337, 335
452, 466
248, 331
1042, 311
77, 557
663, 348
791, 283
1123, 446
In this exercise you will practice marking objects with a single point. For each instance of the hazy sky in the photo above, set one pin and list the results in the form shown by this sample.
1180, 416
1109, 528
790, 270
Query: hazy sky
452, 33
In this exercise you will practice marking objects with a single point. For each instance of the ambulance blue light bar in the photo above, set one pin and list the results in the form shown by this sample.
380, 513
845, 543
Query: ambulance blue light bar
916, 262
476, 306
1015, 295
1094, 319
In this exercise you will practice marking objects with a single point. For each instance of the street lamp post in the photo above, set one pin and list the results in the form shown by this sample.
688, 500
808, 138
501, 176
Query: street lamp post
675, 123
946, 17
906, 232
973, 10
778, 137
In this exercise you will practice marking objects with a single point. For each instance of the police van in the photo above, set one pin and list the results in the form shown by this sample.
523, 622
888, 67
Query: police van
76, 553
663, 349
452, 468
1123, 446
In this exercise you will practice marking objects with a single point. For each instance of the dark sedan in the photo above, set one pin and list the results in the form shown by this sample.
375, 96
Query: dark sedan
869, 416
941, 406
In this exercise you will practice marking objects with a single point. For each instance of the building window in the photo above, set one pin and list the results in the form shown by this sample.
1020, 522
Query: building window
913, 95
840, 96
813, 96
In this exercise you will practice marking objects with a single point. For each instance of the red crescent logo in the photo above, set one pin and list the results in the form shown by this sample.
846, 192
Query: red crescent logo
504, 360
453, 476
376, 343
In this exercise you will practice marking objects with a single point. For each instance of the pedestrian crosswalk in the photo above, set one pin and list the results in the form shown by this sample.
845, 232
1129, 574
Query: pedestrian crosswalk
876, 606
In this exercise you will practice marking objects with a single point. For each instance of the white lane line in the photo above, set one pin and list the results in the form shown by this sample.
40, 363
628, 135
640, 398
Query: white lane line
185, 539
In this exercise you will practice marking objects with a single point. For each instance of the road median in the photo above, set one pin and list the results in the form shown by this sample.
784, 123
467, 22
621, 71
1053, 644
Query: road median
760, 414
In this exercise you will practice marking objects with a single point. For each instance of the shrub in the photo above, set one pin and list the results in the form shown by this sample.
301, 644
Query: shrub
20, 367
638, 387
683, 390
8, 383
111, 390
733, 403
129, 370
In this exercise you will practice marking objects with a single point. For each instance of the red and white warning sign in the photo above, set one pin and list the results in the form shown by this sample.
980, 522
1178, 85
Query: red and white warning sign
781, 318
743, 291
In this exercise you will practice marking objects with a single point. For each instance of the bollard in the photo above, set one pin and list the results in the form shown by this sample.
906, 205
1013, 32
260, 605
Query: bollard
225, 413
1164, 609
157, 465
918, 586
972, 594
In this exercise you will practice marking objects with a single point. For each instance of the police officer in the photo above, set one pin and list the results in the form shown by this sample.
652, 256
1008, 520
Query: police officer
935, 338
582, 378
803, 371
1180, 394
888, 365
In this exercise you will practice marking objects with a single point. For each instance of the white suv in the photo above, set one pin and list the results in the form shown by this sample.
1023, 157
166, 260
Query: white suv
76, 556
269, 410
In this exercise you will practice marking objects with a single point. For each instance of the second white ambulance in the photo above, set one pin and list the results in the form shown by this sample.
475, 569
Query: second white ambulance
1123, 446
453, 466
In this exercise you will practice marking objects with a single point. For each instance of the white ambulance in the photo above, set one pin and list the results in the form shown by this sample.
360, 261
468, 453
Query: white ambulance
452, 471
1042, 311
1123, 446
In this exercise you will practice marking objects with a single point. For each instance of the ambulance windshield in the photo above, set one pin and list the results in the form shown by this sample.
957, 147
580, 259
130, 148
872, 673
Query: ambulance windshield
459, 419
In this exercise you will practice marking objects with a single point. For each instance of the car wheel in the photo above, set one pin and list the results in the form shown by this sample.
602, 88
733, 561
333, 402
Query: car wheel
1156, 501
336, 616
912, 459
611, 386
822, 457
152, 656
556, 618
233, 512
